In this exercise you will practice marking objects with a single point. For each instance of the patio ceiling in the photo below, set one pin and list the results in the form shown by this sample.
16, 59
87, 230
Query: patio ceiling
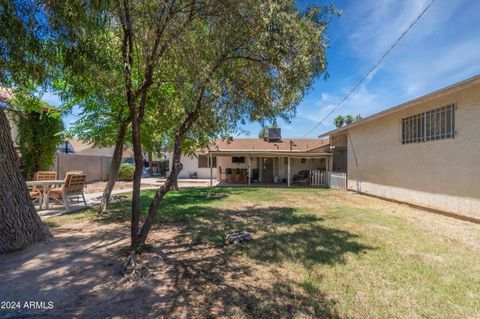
259, 153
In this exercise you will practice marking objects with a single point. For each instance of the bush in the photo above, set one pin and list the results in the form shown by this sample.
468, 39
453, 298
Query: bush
125, 172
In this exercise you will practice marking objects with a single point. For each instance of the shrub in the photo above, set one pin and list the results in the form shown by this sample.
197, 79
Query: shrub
125, 172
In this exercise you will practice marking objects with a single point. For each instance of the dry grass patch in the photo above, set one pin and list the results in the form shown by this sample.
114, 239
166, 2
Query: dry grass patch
315, 254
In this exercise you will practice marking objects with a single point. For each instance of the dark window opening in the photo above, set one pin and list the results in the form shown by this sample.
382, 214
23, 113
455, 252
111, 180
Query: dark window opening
240, 159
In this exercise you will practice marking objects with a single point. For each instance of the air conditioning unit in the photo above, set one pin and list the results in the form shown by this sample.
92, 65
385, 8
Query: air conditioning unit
274, 134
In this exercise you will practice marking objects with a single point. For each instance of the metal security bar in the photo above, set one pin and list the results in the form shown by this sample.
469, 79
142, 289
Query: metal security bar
436, 124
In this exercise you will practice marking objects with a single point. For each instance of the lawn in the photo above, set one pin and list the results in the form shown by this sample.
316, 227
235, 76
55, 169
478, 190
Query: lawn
315, 254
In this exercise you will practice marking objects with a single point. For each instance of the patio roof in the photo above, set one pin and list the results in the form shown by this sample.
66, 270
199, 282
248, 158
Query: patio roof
278, 153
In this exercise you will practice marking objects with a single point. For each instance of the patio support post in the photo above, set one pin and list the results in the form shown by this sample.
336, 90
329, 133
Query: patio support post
211, 168
288, 171
249, 170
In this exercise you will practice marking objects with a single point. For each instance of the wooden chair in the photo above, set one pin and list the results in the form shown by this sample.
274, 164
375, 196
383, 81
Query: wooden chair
74, 172
45, 175
73, 187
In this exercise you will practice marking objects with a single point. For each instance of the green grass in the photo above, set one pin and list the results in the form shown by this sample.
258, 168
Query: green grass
326, 254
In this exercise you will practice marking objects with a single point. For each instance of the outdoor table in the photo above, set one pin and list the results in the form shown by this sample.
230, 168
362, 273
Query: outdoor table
46, 184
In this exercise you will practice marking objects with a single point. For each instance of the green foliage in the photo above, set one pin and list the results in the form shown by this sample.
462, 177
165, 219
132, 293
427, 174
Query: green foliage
125, 172
263, 133
348, 119
39, 134
338, 121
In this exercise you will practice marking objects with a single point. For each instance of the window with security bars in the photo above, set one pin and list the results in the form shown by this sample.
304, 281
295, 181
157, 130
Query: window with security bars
432, 125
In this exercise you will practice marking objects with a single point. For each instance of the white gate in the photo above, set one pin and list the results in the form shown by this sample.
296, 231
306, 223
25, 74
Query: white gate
328, 179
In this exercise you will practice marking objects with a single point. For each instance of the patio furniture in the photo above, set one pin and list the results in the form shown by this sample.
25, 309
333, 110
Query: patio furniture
42, 187
73, 187
36, 196
74, 172
44, 176
303, 177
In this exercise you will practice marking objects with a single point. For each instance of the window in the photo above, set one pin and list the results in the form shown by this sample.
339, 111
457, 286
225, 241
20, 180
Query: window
436, 124
203, 161
238, 159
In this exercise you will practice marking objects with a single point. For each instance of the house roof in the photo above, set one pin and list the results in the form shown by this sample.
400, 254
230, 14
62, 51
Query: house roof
447, 90
243, 146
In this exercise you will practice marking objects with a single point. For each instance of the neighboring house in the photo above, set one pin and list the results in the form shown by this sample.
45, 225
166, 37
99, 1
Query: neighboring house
274, 160
78, 147
424, 152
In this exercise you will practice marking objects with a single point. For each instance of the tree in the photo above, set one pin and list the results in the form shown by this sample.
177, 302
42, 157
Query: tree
348, 119
227, 61
20, 224
40, 130
339, 121
23, 60
244, 73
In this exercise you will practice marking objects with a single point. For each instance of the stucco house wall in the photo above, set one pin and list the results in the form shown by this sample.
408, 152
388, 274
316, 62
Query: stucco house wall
440, 174
190, 165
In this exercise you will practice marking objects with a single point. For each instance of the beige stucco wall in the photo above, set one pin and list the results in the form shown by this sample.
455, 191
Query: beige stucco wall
280, 169
190, 165
95, 167
443, 175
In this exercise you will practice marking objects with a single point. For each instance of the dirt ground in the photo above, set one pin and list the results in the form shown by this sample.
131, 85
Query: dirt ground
79, 270
100, 186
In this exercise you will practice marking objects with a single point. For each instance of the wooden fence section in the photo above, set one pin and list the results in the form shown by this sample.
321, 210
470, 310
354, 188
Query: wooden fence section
328, 179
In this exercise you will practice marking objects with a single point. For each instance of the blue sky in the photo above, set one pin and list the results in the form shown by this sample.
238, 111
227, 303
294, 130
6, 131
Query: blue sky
441, 49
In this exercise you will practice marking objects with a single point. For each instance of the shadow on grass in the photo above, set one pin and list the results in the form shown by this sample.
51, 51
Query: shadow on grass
177, 206
201, 278
223, 286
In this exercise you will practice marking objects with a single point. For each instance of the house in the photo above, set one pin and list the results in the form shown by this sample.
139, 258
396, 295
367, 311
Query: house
424, 152
79, 147
270, 160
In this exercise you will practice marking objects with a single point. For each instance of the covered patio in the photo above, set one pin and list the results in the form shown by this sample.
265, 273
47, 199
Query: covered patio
280, 167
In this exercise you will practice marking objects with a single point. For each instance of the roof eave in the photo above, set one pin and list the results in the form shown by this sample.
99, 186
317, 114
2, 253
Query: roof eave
435, 94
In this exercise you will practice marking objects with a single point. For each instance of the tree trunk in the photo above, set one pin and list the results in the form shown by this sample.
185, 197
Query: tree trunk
20, 225
137, 178
115, 167
175, 184
164, 189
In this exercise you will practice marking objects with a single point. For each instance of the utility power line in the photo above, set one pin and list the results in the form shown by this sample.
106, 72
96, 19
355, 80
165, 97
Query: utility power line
371, 69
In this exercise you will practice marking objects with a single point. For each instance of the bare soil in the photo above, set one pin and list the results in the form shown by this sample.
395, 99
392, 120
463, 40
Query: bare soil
79, 270
100, 186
